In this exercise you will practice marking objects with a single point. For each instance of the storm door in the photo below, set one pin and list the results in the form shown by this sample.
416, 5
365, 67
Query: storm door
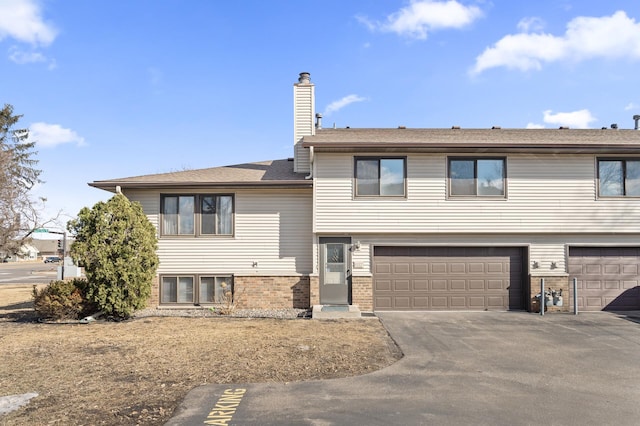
335, 272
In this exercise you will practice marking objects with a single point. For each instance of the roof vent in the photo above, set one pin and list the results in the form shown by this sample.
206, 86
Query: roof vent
614, 126
563, 127
402, 127
455, 127
636, 118
496, 127
318, 121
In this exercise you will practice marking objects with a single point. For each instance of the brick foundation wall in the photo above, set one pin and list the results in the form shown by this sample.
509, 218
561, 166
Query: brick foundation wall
271, 292
154, 300
553, 283
314, 290
362, 292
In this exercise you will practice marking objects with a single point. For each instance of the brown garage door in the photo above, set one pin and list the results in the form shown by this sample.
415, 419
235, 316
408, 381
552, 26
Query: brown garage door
447, 278
608, 277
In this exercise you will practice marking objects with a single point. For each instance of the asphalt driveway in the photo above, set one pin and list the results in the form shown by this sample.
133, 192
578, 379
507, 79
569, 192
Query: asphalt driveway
480, 368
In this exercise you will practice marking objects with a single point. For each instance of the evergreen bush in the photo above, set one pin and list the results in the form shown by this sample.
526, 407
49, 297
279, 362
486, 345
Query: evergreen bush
63, 300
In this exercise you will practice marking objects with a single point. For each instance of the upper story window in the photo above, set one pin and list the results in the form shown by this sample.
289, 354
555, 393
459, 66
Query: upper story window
178, 215
478, 177
619, 178
380, 176
206, 214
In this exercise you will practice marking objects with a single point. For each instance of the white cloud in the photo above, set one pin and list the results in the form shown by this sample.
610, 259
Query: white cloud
630, 106
533, 23
615, 36
51, 135
576, 120
22, 21
339, 104
422, 17
20, 56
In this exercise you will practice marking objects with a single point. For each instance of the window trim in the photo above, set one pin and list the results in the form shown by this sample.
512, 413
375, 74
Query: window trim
177, 277
197, 215
379, 158
477, 196
624, 161
196, 288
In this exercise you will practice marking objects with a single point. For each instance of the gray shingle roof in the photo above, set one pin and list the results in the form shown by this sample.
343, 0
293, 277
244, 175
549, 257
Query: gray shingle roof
265, 173
450, 140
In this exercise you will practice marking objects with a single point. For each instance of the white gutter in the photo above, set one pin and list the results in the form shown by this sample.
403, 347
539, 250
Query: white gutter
310, 176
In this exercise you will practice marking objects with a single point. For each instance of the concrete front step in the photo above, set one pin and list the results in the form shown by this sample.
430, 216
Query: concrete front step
335, 311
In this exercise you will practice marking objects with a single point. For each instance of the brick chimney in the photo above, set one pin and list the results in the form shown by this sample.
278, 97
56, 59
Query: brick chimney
303, 124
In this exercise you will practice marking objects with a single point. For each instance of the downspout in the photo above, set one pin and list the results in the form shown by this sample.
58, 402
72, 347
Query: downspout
310, 176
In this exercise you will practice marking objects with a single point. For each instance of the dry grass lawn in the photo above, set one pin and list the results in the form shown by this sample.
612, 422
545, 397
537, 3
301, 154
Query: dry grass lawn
138, 371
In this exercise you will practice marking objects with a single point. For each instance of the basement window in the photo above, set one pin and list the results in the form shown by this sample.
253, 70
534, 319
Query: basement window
195, 289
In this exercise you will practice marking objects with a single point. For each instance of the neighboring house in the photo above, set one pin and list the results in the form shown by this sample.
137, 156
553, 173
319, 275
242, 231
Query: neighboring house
404, 219
47, 247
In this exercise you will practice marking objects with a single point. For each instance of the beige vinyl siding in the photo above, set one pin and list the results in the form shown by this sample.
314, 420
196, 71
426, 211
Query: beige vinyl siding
303, 124
272, 228
150, 202
545, 194
543, 249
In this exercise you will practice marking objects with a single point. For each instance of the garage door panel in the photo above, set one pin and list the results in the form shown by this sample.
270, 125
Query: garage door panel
419, 268
612, 269
476, 268
458, 302
593, 269
496, 285
495, 268
612, 285
420, 285
401, 268
382, 285
439, 285
607, 277
438, 302
401, 285
439, 268
382, 268
495, 302
476, 284
457, 268
449, 278
383, 302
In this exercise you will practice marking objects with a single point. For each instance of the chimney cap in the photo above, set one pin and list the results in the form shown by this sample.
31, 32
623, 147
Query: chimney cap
305, 78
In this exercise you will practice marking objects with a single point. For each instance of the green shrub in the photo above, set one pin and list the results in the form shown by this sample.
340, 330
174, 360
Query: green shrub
116, 245
63, 300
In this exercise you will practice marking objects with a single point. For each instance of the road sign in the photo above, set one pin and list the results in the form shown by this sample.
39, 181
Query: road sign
39, 230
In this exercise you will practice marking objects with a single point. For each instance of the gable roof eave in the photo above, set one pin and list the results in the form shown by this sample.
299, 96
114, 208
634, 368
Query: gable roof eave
111, 185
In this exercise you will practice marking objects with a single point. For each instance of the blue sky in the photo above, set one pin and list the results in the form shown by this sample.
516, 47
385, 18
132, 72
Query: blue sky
113, 89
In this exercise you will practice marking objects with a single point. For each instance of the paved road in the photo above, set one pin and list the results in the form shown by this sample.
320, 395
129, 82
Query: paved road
27, 273
481, 368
